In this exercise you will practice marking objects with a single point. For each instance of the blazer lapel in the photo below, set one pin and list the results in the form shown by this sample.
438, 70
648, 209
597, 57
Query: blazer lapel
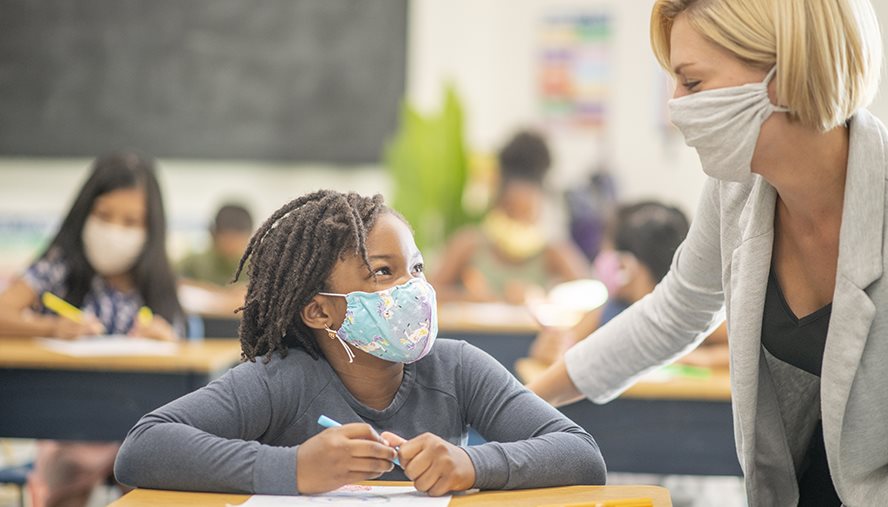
750, 266
859, 265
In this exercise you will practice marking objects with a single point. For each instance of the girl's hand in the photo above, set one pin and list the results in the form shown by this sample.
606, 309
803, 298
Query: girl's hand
70, 330
435, 466
157, 329
339, 456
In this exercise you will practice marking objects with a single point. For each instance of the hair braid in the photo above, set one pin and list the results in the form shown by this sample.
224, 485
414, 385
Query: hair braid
291, 257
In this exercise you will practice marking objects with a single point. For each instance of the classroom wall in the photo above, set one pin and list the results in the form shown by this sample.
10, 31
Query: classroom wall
487, 49
35, 193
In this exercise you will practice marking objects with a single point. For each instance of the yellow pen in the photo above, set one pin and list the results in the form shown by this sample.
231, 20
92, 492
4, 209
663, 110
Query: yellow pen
62, 307
145, 316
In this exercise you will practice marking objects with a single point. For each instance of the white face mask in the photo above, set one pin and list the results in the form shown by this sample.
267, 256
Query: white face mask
112, 249
723, 126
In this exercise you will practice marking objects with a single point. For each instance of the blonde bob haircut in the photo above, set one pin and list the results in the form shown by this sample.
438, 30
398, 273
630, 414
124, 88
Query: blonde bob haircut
828, 53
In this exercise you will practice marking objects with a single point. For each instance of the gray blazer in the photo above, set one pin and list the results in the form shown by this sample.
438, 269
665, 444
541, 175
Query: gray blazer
724, 263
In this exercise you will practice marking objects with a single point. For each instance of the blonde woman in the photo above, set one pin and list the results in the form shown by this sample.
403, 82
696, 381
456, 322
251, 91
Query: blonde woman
789, 238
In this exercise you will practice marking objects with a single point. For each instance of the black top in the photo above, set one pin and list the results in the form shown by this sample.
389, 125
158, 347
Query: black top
800, 342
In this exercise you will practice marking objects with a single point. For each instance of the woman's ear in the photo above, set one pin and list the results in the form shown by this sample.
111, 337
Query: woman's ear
317, 313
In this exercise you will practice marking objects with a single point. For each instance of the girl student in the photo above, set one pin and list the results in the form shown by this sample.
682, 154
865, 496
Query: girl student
343, 323
108, 259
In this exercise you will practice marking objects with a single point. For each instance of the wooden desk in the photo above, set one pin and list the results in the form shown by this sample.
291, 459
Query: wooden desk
503, 331
49, 395
519, 498
681, 426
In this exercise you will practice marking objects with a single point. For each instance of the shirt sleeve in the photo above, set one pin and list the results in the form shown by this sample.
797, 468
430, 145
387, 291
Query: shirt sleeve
681, 311
46, 274
206, 441
530, 443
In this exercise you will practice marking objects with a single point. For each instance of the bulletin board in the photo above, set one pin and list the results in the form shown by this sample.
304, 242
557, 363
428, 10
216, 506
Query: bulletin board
575, 69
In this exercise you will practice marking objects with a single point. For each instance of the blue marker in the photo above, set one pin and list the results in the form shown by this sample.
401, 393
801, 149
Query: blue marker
330, 423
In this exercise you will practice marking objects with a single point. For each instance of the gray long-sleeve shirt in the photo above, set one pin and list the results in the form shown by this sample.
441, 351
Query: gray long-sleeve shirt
241, 432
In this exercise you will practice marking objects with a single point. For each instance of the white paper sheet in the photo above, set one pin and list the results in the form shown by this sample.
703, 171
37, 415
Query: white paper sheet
110, 345
392, 496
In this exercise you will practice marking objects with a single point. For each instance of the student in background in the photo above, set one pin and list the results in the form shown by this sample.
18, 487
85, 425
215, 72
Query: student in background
509, 257
108, 259
230, 231
211, 271
644, 239
343, 324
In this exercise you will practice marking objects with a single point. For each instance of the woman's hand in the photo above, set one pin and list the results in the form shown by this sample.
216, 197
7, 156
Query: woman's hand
156, 329
435, 466
339, 456
68, 329
551, 344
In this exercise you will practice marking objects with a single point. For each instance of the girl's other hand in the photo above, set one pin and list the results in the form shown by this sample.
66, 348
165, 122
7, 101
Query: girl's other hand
69, 330
343, 455
435, 466
157, 329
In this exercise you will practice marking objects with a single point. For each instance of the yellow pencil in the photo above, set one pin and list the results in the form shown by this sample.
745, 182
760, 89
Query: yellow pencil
62, 307
628, 502
623, 502
145, 316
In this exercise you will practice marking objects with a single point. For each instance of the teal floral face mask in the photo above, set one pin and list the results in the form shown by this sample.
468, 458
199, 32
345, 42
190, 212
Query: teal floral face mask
398, 324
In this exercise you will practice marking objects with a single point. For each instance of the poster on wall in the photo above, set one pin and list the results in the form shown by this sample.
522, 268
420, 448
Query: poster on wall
575, 69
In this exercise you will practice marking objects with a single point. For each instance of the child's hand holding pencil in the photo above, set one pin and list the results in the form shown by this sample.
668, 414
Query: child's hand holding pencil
148, 325
72, 323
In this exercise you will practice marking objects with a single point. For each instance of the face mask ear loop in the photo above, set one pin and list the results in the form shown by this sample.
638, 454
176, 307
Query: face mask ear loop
333, 335
774, 107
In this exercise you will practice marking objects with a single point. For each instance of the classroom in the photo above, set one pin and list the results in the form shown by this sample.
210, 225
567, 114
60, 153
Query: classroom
510, 252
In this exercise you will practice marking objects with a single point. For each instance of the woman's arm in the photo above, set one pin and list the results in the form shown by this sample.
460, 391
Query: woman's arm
685, 307
530, 444
555, 386
552, 342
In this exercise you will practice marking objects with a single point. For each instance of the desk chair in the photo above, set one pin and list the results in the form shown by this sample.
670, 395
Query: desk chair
17, 476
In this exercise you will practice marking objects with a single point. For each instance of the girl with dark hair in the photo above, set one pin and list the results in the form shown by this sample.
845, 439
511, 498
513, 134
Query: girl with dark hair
108, 259
343, 323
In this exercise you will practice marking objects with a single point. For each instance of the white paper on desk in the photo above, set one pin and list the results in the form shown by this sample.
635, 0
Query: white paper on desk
392, 496
110, 345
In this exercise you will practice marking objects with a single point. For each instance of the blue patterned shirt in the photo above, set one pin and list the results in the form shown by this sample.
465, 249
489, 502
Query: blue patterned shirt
116, 310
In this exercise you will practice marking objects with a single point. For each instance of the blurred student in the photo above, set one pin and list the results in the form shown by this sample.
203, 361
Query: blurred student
509, 257
230, 232
644, 239
339, 321
212, 270
108, 259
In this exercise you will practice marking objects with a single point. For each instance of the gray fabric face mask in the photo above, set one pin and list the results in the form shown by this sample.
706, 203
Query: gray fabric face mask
723, 126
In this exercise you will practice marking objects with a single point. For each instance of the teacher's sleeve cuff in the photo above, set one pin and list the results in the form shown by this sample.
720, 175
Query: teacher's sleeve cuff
586, 375
274, 472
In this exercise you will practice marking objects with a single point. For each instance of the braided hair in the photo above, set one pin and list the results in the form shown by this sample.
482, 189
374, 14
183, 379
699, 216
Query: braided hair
291, 257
